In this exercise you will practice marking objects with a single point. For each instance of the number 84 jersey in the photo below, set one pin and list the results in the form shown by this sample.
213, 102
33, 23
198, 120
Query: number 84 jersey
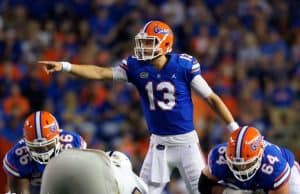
18, 163
274, 170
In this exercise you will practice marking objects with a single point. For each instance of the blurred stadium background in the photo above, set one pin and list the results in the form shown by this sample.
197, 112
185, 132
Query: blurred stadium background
249, 51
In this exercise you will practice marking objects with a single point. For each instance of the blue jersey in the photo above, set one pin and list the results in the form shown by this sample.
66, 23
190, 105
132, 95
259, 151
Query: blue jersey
165, 94
273, 172
18, 163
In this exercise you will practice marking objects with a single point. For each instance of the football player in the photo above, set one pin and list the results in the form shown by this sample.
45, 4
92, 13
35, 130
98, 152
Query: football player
164, 81
248, 163
43, 139
91, 171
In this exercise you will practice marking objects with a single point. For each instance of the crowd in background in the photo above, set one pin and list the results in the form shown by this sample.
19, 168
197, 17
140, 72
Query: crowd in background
249, 51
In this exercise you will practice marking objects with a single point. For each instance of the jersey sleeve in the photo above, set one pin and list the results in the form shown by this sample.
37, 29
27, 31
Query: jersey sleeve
279, 176
192, 66
78, 141
70, 139
16, 161
275, 170
119, 74
125, 64
195, 69
9, 165
216, 161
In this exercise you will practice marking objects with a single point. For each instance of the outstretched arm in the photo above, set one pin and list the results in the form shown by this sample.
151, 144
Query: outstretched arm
84, 71
214, 101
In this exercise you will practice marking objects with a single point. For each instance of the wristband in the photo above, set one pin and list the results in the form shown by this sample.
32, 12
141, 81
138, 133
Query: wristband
66, 66
233, 126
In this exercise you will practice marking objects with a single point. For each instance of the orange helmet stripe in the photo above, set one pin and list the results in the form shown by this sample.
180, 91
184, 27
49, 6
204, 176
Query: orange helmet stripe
239, 143
38, 124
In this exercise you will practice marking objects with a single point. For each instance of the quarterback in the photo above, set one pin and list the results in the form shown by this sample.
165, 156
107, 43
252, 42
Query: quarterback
248, 163
164, 81
24, 164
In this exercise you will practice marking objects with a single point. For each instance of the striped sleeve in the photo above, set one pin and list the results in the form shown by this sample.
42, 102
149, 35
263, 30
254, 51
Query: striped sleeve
124, 71
124, 65
9, 168
195, 69
283, 177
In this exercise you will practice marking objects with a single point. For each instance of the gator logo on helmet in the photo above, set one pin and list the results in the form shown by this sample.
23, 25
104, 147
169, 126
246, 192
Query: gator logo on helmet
159, 30
255, 143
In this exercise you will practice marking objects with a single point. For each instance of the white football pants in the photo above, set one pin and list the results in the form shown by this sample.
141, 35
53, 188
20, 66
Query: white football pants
167, 153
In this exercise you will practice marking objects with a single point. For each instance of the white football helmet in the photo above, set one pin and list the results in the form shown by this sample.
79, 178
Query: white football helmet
119, 159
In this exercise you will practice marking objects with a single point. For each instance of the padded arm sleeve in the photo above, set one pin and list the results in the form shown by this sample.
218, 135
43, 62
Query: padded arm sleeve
119, 74
201, 86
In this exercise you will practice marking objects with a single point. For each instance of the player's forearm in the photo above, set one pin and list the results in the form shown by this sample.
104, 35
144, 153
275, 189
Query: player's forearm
18, 186
91, 71
220, 108
218, 189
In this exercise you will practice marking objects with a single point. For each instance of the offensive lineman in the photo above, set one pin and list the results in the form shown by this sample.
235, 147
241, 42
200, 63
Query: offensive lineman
248, 163
24, 164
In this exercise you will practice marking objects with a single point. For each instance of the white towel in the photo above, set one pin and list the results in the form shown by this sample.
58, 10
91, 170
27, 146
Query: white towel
159, 168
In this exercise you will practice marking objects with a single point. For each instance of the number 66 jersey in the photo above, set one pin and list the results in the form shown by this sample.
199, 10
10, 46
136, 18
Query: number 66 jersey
19, 163
276, 166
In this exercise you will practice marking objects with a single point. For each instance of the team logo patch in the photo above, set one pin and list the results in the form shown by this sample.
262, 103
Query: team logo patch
160, 147
144, 75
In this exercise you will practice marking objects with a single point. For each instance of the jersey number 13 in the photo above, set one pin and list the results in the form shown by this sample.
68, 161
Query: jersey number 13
168, 90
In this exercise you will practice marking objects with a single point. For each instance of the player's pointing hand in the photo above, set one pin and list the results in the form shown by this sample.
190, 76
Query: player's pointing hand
51, 66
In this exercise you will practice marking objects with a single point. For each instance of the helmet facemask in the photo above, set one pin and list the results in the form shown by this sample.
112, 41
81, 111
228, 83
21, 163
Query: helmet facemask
244, 170
42, 150
147, 47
